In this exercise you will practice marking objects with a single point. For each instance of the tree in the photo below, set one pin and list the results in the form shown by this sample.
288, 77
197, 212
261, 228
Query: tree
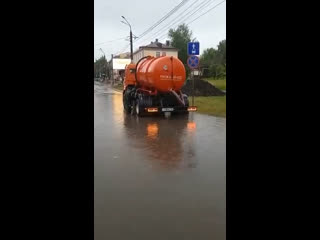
179, 39
221, 52
208, 56
101, 67
215, 60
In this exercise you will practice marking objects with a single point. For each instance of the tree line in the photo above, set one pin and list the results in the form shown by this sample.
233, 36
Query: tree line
213, 61
101, 67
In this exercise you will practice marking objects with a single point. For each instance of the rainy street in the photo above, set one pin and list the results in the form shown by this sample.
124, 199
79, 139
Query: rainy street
156, 177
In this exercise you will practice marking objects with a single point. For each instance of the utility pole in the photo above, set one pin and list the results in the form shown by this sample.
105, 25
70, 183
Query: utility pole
131, 44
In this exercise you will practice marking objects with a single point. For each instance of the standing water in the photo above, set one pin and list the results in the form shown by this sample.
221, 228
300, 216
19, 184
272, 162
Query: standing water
157, 177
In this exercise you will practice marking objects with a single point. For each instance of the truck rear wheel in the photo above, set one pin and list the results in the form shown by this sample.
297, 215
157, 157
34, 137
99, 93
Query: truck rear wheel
125, 101
138, 107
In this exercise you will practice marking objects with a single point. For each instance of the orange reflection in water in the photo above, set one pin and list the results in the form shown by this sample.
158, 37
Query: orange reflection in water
117, 107
117, 103
191, 126
152, 130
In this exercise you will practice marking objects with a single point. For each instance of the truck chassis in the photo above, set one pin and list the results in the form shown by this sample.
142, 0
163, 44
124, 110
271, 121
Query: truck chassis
143, 102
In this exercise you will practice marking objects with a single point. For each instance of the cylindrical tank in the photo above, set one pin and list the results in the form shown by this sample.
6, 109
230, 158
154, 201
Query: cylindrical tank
162, 73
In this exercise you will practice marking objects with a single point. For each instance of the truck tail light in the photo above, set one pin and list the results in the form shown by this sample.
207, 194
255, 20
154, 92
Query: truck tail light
192, 108
152, 109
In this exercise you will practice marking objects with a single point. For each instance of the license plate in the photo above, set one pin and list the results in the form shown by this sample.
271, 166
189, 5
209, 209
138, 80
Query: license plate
167, 109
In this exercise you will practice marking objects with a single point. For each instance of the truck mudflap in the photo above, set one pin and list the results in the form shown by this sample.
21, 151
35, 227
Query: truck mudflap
170, 109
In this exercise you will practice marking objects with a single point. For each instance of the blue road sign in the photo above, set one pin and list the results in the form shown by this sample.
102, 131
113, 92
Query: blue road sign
193, 48
193, 62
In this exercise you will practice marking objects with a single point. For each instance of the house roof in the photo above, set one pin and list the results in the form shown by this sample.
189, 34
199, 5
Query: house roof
156, 45
122, 55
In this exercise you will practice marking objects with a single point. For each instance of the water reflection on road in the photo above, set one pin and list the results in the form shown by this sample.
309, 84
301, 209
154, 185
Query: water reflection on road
167, 143
157, 177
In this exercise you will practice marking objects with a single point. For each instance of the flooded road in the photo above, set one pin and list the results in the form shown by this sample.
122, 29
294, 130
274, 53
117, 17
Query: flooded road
157, 178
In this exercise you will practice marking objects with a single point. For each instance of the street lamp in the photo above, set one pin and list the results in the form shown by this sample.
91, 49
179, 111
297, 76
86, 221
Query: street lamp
102, 51
131, 46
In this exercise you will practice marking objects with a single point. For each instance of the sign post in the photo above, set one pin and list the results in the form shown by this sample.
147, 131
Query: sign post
193, 61
193, 48
193, 87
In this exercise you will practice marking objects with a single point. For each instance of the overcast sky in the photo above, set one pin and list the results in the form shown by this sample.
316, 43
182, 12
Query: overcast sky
209, 29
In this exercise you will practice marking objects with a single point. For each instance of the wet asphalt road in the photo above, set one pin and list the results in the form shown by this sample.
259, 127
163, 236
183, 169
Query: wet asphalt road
157, 178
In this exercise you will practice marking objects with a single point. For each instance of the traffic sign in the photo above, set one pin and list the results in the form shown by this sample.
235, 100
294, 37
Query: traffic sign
193, 62
193, 48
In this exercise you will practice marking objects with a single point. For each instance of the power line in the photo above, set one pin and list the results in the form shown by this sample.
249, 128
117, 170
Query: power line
199, 16
121, 39
123, 49
158, 22
188, 15
124, 38
182, 18
164, 17
111, 41
168, 24
206, 12
198, 8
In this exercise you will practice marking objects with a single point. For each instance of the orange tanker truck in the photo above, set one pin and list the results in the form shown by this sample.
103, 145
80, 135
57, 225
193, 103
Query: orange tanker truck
153, 85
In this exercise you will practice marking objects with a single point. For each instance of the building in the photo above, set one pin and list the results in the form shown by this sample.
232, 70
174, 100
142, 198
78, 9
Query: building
155, 49
118, 64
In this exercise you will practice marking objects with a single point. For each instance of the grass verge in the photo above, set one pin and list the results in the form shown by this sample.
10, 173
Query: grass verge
213, 105
218, 83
